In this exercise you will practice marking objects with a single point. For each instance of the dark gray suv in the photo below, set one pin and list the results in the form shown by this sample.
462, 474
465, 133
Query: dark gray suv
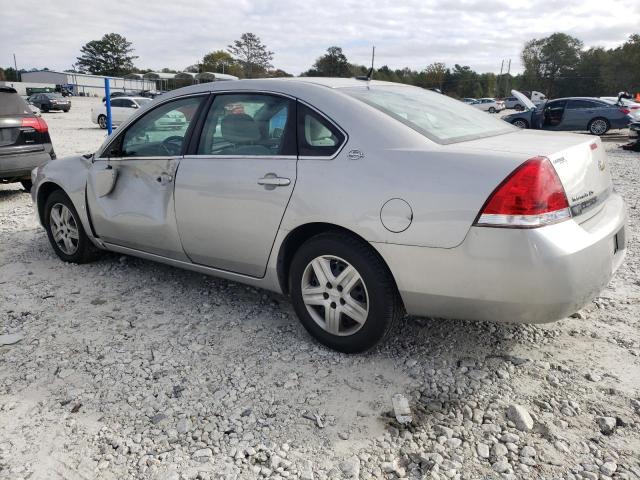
24, 139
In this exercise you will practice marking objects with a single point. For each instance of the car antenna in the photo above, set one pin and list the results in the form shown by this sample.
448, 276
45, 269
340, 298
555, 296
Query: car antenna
369, 74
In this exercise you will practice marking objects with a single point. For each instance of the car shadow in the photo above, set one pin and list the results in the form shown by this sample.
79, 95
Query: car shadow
15, 192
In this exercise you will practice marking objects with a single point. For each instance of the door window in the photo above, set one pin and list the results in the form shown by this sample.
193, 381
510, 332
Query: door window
116, 102
317, 137
247, 125
160, 132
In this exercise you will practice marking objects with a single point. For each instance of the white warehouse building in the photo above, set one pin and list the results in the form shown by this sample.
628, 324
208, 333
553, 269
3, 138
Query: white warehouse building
85, 84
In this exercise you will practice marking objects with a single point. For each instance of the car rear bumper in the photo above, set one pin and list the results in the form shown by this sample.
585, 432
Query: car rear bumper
19, 166
513, 275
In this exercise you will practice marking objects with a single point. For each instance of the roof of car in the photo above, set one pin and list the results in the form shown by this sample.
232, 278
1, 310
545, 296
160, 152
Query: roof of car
578, 98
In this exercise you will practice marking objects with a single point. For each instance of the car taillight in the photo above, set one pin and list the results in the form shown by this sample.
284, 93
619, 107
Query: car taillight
625, 110
37, 123
531, 196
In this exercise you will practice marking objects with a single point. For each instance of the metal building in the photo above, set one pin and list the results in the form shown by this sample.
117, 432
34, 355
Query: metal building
85, 84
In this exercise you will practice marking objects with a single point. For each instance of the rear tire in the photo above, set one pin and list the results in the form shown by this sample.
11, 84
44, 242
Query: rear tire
598, 126
353, 303
65, 231
26, 184
102, 121
492, 110
518, 108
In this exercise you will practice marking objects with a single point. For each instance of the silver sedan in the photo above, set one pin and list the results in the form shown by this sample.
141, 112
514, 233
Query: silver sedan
360, 199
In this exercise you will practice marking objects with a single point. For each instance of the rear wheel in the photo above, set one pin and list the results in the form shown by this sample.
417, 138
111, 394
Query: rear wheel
343, 293
598, 126
26, 184
492, 110
102, 121
518, 107
65, 231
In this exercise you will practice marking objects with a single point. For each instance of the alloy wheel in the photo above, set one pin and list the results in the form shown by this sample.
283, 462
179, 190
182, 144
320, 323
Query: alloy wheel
520, 124
335, 295
598, 127
64, 228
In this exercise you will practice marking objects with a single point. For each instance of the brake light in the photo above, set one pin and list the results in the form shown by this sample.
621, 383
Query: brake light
625, 110
37, 123
531, 196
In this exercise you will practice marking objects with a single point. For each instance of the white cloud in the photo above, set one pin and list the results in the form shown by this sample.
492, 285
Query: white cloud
414, 33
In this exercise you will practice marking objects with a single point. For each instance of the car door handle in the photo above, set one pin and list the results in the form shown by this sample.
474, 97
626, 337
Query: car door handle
164, 178
271, 180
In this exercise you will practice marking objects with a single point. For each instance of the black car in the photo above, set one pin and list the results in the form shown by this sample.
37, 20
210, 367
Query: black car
24, 139
50, 101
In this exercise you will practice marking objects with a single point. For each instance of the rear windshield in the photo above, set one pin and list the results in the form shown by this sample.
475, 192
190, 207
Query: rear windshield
436, 116
13, 104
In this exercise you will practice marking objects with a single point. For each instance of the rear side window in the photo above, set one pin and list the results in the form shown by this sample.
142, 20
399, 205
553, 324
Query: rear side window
13, 104
575, 104
317, 136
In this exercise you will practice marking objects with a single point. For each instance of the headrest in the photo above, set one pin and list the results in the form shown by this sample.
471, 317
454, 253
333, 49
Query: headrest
239, 128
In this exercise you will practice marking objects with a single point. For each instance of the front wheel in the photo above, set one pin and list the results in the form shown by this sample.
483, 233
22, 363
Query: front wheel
492, 110
520, 123
343, 293
598, 126
65, 231
102, 121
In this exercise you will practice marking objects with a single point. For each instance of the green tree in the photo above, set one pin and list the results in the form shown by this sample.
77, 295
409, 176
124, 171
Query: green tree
220, 61
334, 63
552, 60
434, 75
251, 54
111, 55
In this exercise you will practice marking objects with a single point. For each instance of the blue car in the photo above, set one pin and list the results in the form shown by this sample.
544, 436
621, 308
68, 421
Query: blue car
571, 114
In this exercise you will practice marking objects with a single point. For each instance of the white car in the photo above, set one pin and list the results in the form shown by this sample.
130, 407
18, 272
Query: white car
121, 109
490, 105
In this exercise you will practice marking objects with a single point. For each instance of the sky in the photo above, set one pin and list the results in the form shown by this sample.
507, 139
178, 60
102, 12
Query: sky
175, 34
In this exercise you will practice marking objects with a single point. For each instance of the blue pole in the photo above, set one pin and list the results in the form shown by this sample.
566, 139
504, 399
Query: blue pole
107, 101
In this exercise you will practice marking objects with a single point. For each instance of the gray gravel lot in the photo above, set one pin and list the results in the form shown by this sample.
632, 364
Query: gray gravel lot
125, 369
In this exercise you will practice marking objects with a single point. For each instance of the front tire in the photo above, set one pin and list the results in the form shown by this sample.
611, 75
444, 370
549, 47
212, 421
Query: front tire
520, 123
102, 121
492, 110
598, 126
343, 293
65, 231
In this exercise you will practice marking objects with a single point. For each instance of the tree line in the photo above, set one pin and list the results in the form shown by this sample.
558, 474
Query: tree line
557, 65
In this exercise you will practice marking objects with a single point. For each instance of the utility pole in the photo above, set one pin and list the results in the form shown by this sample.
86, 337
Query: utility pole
15, 65
508, 91
500, 78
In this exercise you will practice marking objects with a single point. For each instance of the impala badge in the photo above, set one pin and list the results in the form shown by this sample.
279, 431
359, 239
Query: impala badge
355, 155
601, 164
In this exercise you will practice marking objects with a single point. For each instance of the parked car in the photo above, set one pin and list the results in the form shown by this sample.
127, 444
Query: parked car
513, 103
24, 139
50, 101
490, 105
34, 109
570, 114
121, 109
342, 193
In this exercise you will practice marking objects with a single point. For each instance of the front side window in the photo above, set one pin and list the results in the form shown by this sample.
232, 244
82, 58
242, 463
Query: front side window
249, 124
438, 117
160, 132
317, 137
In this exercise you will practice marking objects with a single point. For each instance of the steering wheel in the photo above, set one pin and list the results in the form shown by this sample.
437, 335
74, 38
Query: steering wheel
173, 145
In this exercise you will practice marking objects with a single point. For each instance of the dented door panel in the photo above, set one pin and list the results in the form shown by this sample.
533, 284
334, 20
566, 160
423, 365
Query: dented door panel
138, 211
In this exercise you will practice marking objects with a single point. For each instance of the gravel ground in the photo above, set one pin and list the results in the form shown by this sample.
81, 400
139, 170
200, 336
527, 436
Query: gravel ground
126, 368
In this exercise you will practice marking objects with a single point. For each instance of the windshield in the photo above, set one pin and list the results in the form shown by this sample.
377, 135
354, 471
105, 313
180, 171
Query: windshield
53, 96
437, 117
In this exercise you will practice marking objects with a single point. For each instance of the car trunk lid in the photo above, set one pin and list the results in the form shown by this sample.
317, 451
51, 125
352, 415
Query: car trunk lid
579, 160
